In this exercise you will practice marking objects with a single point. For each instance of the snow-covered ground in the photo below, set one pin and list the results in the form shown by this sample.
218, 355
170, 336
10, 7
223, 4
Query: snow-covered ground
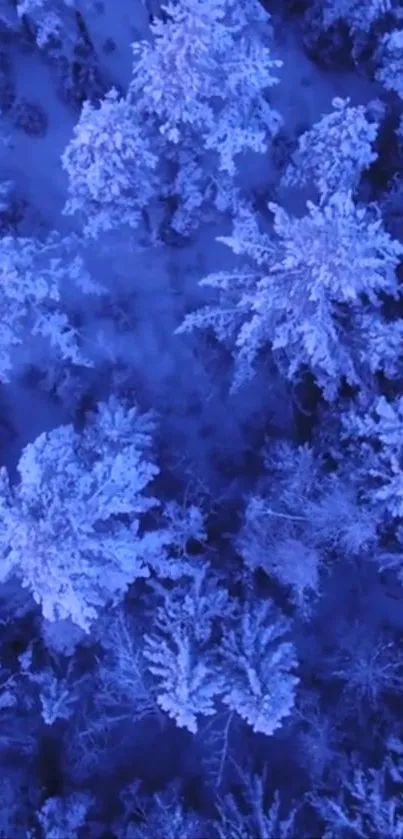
33, 162
303, 97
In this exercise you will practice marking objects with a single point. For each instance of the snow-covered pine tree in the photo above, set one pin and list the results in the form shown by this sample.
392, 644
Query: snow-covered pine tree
333, 153
309, 293
390, 57
64, 816
110, 166
258, 663
259, 818
374, 433
368, 801
179, 652
299, 518
199, 87
71, 527
188, 76
32, 275
353, 13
